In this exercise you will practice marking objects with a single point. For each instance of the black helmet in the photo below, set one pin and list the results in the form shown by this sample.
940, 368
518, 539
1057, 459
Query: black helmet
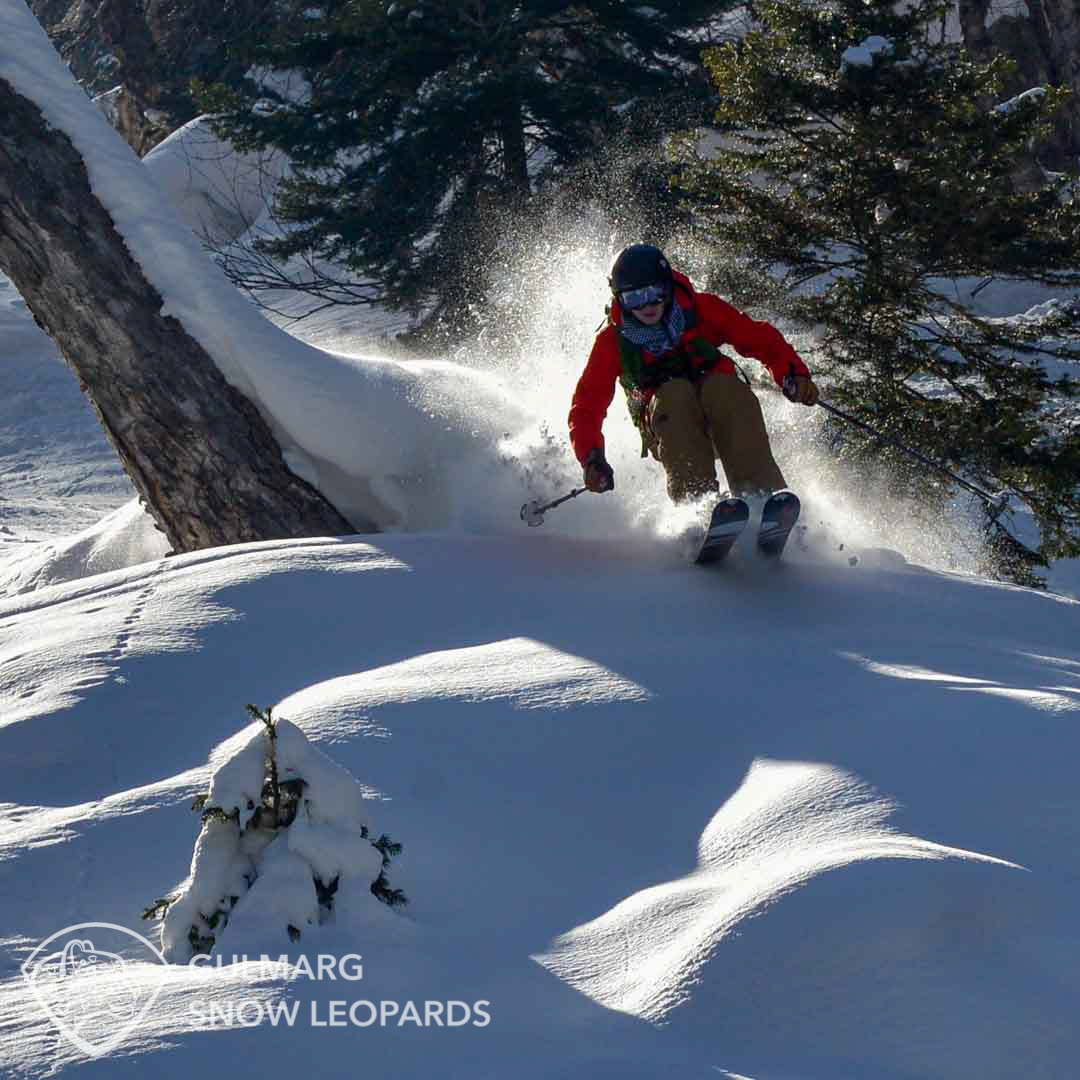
640, 265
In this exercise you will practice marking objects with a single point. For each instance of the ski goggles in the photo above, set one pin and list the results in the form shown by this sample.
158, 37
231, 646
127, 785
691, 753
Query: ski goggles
647, 294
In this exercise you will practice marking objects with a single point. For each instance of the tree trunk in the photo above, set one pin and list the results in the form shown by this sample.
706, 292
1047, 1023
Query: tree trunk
199, 453
515, 159
972, 15
1045, 43
1059, 33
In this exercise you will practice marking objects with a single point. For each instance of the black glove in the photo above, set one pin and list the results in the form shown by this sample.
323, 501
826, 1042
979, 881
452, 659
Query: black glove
599, 475
800, 388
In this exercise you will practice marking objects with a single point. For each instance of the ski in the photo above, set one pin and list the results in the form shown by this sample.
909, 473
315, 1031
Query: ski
778, 517
729, 518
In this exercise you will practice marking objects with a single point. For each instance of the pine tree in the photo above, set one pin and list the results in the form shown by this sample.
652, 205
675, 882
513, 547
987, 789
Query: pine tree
256, 840
431, 125
869, 165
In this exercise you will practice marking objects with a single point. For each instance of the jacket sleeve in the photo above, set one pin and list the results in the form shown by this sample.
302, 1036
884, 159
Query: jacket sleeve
760, 340
595, 390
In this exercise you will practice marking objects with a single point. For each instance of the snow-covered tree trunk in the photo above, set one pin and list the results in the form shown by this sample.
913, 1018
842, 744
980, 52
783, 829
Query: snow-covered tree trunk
200, 454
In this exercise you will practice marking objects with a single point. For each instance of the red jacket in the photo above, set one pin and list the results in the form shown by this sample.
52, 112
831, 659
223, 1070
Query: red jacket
716, 320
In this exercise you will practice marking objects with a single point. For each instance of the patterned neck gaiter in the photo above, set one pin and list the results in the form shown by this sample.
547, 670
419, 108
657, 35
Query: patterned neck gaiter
658, 339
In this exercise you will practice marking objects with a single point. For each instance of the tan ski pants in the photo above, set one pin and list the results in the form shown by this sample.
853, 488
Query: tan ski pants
719, 417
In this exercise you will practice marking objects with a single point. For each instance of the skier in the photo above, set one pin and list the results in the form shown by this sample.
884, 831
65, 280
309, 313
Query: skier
662, 344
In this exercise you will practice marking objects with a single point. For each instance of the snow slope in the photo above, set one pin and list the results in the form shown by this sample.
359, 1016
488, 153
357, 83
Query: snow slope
815, 821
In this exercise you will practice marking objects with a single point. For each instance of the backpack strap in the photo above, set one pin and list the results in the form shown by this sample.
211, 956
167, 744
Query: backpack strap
637, 403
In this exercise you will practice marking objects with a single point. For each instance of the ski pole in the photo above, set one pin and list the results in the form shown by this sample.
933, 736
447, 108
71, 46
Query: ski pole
996, 502
532, 513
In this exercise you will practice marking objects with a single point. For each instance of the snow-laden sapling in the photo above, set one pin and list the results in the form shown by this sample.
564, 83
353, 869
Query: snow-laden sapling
285, 841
